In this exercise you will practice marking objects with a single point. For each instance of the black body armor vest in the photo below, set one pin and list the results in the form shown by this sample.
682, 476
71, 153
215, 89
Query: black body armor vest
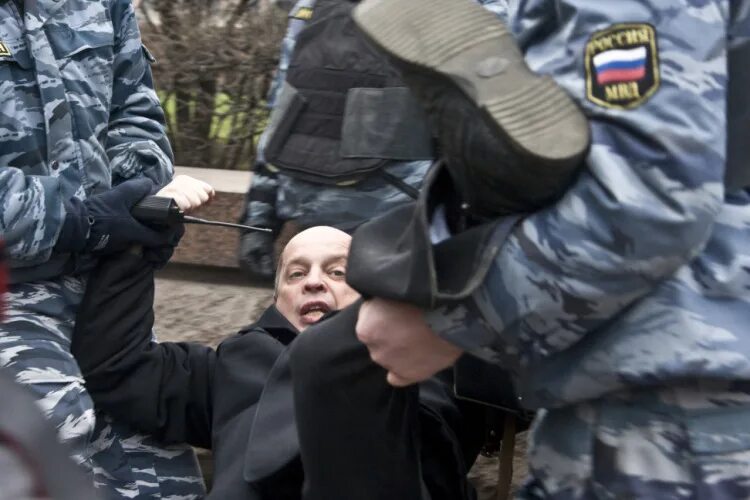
737, 173
343, 112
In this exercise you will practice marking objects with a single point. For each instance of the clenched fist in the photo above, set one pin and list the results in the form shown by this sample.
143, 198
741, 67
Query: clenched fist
400, 341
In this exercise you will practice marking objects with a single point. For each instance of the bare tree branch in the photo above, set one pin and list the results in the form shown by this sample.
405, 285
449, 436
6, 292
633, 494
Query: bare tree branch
216, 60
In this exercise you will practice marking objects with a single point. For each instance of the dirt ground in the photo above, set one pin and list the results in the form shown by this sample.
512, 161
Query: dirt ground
204, 304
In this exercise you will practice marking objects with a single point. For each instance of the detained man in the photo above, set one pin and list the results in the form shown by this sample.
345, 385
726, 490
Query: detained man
238, 399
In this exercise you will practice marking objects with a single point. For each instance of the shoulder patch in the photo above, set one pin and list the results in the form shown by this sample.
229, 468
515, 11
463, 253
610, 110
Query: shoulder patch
622, 66
303, 13
4, 51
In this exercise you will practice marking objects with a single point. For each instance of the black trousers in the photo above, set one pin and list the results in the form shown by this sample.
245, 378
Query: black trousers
362, 439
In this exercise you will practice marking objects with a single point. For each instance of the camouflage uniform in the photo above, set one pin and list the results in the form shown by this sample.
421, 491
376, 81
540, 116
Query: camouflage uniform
624, 307
275, 197
78, 114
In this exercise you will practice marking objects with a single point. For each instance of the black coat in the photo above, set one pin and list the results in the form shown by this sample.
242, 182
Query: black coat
236, 400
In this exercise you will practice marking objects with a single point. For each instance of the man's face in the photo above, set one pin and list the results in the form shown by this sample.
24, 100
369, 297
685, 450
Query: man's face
311, 279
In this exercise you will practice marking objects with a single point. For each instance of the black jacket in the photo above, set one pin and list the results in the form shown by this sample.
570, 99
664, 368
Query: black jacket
236, 400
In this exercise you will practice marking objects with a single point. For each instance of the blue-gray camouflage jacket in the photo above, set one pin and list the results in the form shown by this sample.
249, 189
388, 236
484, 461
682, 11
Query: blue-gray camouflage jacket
275, 197
78, 113
640, 274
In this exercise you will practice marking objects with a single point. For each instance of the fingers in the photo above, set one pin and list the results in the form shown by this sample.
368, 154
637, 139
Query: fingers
194, 199
189, 193
381, 358
398, 381
398, 339
180, 198
203, 189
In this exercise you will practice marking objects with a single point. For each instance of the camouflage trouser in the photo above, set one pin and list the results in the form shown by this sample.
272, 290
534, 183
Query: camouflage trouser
35, 346
666, 443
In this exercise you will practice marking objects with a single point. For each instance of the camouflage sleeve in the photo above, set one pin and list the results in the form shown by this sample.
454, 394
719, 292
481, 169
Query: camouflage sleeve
298, 17
651, 76
32, 215
261, 199
256, 249
137, 141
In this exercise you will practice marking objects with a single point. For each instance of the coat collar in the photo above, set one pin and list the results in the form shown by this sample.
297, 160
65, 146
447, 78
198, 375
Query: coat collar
276, 325
272, 442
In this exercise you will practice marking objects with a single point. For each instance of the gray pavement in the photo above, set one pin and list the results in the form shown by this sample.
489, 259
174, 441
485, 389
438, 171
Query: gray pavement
205, 304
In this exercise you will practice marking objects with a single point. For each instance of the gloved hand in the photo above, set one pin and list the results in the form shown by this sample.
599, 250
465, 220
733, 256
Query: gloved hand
190, 194
256, 254
159, 256
102, 224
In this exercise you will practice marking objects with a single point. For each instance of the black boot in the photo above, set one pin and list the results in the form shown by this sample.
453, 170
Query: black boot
512, 140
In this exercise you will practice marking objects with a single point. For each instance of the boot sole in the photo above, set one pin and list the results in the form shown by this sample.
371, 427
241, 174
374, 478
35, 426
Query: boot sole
462, 43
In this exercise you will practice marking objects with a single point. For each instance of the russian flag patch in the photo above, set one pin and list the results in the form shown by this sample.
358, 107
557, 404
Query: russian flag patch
622, 66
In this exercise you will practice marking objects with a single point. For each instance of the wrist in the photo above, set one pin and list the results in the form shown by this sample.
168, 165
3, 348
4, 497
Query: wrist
76, 227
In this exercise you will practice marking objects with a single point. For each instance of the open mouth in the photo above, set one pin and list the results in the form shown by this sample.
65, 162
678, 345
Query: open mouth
311, 312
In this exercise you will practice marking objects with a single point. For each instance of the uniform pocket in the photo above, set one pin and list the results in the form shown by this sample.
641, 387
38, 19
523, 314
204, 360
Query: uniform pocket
385, 123
85, 55
67, 42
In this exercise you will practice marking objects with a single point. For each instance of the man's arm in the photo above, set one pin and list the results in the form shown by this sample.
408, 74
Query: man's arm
33, 209
162, 389
644, 206
137, 141
256, 248
32, 215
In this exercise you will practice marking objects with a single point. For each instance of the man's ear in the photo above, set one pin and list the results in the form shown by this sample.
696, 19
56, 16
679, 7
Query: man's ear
276, 281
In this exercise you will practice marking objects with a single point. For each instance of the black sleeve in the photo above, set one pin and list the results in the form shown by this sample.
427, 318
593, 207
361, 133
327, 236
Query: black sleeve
161, 389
